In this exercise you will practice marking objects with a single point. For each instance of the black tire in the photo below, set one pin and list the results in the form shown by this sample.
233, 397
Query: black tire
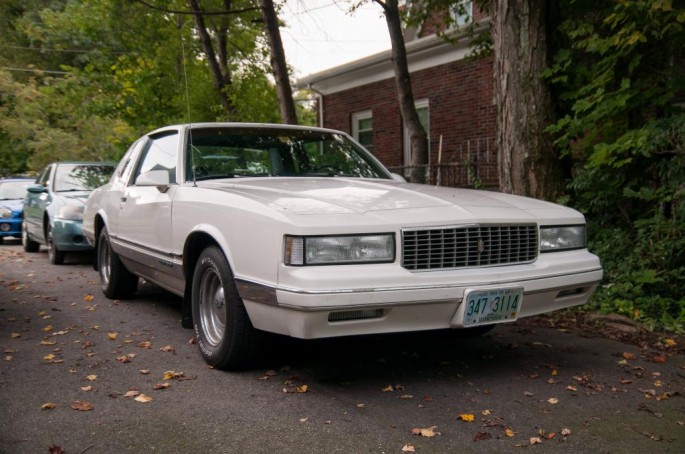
116, 281
225, 335
28, 243
55, 256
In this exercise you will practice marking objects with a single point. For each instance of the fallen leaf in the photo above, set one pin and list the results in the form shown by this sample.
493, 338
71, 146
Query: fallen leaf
144, 371
302, 389
408, 448
112, 335
480, 436
123, 359
406, 396
428, 432
56, 450
528, 394
47, 328
466, 417
167, 348
509, 433
170, 375
629, 356
48, 343
146, 344
553, 400
486, 412
550, 435
571, 388
47, 406
565, 432
659, 359
81, 405
86, 388
535, 440
132, 393
143, 398
15, 335
92, 377
88, 297
161, 385
49, 357
388, 388
670, 342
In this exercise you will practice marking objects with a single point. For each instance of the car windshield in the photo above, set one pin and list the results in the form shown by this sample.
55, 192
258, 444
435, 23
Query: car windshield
13, 190
241, 152
81, 177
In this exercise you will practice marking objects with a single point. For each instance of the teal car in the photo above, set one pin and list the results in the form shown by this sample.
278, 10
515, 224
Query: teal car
12, 191
53, 207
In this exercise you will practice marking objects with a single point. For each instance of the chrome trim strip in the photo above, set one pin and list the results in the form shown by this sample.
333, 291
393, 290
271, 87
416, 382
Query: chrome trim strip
257, 292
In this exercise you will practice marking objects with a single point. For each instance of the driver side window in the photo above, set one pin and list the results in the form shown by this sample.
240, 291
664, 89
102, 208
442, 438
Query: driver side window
160, 153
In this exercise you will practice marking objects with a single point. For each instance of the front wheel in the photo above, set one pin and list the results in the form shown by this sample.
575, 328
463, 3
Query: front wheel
225, 335
28, 243
55, 256
116, 281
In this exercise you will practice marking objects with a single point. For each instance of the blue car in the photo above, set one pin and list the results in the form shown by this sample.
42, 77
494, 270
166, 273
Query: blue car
12, 192
53, 207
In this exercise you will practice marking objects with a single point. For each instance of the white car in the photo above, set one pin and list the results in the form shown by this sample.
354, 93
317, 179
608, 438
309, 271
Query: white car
300, 231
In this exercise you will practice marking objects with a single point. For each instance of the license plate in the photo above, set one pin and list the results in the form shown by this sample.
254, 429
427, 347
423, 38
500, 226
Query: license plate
483, 307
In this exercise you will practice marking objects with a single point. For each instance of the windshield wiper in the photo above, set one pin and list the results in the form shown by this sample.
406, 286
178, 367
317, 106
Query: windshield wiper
232, 175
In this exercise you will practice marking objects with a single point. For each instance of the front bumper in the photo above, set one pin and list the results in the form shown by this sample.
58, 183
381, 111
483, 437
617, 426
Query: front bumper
68, 236
10, 227
419, 301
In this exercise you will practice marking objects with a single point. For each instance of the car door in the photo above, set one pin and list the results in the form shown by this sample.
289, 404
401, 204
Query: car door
36, 202
145, 213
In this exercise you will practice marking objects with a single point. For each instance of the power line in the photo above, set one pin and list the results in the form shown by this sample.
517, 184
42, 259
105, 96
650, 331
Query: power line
34, 70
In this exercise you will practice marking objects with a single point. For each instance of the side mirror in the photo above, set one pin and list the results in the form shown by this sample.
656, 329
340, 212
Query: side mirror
398, 177
37, 189
158, 178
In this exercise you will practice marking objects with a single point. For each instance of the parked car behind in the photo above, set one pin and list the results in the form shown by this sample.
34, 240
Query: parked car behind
53, 207
12, 192
302, 232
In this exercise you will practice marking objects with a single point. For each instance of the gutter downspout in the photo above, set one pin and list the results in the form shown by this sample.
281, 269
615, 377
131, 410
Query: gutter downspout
319, 96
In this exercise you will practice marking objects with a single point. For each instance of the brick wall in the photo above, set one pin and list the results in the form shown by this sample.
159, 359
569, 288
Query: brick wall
461, 109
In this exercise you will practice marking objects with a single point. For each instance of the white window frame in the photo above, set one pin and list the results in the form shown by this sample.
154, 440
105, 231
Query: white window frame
357, 117
420, 104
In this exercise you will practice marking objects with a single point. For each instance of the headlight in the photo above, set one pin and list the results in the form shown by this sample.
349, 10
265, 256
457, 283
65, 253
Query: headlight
70, 213
562, 238
5, 213
335, 250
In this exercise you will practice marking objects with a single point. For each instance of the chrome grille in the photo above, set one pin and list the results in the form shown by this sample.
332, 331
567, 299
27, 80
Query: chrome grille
469, 246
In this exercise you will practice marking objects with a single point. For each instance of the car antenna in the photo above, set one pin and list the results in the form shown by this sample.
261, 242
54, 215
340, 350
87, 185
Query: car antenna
190, 125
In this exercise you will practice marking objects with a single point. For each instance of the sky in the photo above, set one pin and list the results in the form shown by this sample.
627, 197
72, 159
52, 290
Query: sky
320, 34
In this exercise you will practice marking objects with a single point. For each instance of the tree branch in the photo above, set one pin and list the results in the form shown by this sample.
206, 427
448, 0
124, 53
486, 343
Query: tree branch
204, 13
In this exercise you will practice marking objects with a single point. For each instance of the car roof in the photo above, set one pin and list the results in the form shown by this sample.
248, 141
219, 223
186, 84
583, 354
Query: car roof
238, 125
10, 179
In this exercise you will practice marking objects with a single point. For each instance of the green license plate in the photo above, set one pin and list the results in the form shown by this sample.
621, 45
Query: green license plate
483, 307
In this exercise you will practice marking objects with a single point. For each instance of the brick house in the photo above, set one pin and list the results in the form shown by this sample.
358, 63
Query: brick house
453, 95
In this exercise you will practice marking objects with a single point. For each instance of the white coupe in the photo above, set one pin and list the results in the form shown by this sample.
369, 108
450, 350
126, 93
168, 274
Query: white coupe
300, 231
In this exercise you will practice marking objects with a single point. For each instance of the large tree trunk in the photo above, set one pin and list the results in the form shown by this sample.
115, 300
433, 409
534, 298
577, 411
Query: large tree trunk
528, 163
417, 134
217, 60
278, 64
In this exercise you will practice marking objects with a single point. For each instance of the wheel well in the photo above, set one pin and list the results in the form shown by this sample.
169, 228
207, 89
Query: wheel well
194, 246
98, 224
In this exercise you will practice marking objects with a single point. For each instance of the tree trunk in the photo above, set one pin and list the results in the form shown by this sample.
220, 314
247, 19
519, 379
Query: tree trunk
417, 134
528, 163
217, 60
278, 63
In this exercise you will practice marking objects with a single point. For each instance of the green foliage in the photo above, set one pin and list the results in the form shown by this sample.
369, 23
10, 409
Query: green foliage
124, 69
617, 76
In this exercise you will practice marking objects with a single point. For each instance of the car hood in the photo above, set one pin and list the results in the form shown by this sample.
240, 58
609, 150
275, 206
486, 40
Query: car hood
14, 205
346, 196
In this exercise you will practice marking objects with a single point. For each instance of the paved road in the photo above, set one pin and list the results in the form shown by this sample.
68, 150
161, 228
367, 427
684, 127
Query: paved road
64, 344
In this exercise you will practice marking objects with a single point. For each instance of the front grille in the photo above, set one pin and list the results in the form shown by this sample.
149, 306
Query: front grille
467, 247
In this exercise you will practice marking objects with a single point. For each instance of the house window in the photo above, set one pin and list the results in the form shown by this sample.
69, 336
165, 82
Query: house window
462, 13
362, 128
424, 117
